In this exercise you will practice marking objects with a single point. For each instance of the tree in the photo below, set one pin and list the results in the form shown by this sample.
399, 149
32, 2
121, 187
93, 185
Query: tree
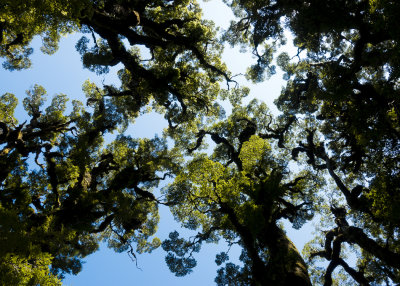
180, 74
345, 83
239, 193
80, 193
20, 21
340, 121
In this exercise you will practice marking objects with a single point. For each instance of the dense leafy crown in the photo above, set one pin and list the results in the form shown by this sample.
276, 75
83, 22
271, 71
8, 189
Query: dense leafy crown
344, 82
63, 188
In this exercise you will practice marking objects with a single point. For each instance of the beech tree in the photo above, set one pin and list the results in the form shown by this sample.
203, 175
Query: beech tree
344, 82
240, 193
79, 193
63, 189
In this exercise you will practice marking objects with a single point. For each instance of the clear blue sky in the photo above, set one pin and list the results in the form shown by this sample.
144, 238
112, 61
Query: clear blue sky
63, 73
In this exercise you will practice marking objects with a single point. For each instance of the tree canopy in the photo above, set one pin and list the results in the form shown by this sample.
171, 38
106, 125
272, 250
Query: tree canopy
331, 155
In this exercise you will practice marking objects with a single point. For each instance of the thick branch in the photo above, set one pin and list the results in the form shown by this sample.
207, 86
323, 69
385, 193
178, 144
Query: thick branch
356, 235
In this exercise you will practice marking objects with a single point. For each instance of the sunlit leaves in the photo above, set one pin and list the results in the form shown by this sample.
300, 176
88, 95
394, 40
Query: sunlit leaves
8, 103
34, 270
80, 191
253, 152
35, 99
22, 20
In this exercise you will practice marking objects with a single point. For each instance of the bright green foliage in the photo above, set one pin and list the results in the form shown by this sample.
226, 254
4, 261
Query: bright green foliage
344, 83
63, 189
239, 193
177, 68
8, 103
178, 71
33, 270
66, 189
78, 193
22, 20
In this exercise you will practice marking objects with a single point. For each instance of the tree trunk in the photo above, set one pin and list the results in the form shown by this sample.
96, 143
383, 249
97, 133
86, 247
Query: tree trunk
285, 265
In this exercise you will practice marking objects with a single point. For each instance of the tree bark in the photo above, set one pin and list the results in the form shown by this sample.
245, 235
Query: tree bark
285, 265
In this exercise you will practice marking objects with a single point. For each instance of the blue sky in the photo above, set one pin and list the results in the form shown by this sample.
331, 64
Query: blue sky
63, 73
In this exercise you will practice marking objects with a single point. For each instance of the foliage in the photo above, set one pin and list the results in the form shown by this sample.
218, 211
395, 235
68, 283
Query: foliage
32, 270
63, 189
20, 21
344, 83
79, 193
239, 193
